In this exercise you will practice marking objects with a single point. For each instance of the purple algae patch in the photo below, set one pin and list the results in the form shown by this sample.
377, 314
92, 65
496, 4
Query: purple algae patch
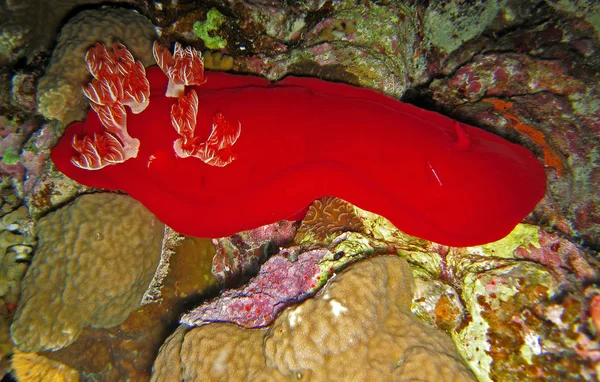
279, 284
241, 255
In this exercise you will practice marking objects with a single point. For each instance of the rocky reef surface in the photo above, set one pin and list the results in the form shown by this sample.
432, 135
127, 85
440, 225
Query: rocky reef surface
92, 285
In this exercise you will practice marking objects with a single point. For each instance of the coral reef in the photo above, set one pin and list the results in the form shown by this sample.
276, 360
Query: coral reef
171, 240
332, 228
527, 307
25, 142
30, 26
586, 9
44, 188
279, 283
59, 91
338, 41
448, 25
6, 346
347, 332
127, 351
17, 158
16, 243
240, 255
537, 85
15, 256
326, 218
217, 61
32, 367
94, 261
478, 294
521, 277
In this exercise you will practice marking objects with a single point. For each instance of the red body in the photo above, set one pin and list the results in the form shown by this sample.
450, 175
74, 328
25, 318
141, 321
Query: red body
302, 139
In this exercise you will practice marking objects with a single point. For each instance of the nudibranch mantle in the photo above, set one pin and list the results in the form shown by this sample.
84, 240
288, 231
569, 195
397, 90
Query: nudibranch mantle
302, 139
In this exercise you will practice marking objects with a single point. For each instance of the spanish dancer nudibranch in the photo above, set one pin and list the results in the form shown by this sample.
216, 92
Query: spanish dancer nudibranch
212, 154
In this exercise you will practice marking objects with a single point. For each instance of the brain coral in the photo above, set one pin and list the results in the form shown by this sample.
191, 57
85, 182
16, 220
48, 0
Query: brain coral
327, 217
359, 328
59, 91
94, 261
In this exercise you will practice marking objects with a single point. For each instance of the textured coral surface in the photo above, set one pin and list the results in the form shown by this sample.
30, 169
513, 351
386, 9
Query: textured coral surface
29, 367
348, 332
127, 351
94, 261
527, 307
279, 283
538, 85
59, 91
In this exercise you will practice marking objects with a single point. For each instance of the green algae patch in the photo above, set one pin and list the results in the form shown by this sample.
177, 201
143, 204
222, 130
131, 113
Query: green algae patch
448, 25
520, 235
10, 157
214, 20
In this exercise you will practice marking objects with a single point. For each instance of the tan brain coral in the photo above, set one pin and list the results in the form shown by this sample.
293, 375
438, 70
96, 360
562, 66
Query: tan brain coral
359, 328
326, 218
59, 91
94, 261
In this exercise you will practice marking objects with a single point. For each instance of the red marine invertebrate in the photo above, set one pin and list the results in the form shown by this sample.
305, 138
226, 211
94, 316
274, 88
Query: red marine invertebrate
119, 80
184, 67
239, 152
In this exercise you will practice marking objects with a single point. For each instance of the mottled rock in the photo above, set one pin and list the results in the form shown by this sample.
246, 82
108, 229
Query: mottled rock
30, 26
240, 256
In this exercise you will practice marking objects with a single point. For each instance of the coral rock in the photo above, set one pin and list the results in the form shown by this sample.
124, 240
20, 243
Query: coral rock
240, 255
31, 367
359, 328
326, 218
29, 26
126, 352
94, 261
59, 91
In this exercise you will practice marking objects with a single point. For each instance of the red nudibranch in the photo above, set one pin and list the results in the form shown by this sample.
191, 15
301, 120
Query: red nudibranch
212, 154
